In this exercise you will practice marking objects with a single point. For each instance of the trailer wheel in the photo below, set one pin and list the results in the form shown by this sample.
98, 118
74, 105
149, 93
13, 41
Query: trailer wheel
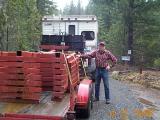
85, 113
92, 95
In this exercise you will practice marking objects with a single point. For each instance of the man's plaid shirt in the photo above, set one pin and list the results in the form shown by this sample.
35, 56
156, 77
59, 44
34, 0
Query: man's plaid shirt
101, 57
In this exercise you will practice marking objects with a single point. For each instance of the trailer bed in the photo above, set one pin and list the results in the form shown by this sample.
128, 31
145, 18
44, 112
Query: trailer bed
45, 107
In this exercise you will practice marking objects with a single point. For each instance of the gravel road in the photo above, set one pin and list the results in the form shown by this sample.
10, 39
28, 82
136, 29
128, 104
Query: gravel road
128, 102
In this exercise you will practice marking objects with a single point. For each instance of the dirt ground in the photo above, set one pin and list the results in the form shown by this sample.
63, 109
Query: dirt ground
148, 78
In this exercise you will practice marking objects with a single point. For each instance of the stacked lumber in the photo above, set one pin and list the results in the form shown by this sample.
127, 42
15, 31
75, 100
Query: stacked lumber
46, 70
73, 64
25, 75
20, 78
60, 84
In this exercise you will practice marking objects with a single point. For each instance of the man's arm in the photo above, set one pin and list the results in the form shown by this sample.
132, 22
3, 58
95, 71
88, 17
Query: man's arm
91, 55
112, 58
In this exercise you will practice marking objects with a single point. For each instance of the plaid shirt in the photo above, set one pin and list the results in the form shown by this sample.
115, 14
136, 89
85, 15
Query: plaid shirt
101, 57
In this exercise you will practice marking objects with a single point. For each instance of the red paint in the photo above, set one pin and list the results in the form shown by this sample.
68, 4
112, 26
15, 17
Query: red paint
8, 53
40, 117
11, 64
83, 93
11, 58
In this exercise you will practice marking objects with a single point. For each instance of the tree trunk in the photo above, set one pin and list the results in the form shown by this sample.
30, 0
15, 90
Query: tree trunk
130, 29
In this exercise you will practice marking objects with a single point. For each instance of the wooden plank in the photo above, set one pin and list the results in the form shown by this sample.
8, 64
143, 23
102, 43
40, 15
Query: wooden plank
11, 70
31, 71
10, 95
47, 79
13, 118
62, 82
33, 96
45, 108
60, 88
12, 100
6, 76
12, 83
43, 55
11, 64
39, 117
60, 77
58, 66
31, 83
27, 54
46, 69
21, 83
73, 66
60, 72
30, 65
74, 61
5, 89
48, 88
8, 53
47, 84
11, 58
33, 77
46, 65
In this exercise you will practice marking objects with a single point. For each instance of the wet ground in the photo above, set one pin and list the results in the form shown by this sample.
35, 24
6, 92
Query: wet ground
128, 102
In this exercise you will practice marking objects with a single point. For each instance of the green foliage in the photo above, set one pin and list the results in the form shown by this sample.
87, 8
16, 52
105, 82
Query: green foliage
22, 18
46, 7
157, 63
120, 19
73, 9
20, 23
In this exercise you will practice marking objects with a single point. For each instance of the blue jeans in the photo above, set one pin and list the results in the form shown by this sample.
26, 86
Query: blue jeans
101, 73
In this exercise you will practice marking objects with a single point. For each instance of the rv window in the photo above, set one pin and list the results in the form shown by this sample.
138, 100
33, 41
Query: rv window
72, 29
88, 35
47, 23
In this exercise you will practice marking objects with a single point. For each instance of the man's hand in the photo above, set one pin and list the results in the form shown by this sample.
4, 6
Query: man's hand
79, 56
108, 67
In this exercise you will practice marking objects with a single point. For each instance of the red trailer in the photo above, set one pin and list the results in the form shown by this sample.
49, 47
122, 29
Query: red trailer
76, 101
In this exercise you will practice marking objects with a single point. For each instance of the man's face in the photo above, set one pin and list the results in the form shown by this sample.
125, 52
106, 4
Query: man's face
101, 47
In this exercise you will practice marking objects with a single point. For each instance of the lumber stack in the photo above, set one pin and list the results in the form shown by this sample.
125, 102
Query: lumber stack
73, 64
25, 75
60, 74
46, 70
20, 78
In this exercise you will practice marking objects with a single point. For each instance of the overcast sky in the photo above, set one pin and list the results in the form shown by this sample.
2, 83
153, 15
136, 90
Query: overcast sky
61, 3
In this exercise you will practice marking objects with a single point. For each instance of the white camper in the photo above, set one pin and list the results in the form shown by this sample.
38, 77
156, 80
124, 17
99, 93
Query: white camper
86, 25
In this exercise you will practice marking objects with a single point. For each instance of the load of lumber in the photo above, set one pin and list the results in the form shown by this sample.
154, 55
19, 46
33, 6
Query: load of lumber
25, 75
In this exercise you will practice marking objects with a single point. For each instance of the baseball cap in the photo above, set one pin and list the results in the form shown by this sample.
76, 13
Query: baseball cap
102, 43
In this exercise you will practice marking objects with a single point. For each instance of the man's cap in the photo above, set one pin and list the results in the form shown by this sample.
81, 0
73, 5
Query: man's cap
102, 43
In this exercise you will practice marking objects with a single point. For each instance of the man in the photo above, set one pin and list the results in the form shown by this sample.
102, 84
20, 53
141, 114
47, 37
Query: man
101, 56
